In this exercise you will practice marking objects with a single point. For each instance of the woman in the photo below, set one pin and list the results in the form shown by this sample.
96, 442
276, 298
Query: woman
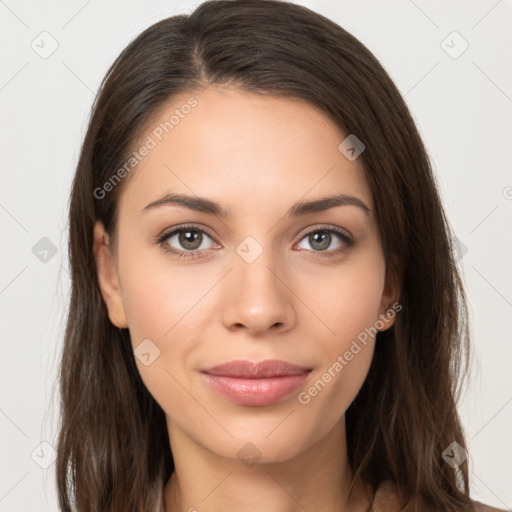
265, 310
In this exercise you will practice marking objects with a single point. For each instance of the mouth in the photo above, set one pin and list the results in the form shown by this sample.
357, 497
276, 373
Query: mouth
256, 384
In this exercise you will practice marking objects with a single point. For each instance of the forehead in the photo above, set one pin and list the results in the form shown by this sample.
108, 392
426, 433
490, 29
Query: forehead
242, 149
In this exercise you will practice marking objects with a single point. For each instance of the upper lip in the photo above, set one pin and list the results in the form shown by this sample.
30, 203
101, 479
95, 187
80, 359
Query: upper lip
260, 370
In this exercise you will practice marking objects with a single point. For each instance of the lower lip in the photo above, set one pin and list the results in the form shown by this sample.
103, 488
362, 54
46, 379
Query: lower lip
255, 392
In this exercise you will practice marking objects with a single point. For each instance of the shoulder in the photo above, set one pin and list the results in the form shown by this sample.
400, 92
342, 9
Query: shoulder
388, 498
482, 507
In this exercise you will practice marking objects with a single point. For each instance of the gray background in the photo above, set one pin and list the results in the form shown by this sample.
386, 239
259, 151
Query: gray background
462, 103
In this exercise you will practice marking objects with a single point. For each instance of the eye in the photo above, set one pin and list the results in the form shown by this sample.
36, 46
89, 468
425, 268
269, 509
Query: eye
189, 242
322, 238
185, 241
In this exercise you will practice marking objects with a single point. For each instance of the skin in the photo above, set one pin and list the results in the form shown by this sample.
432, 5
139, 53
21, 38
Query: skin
286, 304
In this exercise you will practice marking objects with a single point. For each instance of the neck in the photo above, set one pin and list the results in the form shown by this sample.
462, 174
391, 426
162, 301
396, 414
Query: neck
316, 480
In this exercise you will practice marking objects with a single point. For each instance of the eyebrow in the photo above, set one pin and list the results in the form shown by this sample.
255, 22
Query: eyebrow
201, 204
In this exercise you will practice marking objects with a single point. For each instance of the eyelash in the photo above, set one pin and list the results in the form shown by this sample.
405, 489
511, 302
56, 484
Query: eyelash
347, 241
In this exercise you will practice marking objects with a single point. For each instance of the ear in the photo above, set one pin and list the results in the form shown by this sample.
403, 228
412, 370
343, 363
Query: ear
389, 304
108, 277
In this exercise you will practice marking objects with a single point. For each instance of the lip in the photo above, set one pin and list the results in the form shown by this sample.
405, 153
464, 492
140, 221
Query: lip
256, 384
256, 370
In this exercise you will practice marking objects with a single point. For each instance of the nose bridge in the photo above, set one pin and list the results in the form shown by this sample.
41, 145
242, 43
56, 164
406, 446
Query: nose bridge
256, 297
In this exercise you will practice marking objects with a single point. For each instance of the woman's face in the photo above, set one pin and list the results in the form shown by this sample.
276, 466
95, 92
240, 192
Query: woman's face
266, 281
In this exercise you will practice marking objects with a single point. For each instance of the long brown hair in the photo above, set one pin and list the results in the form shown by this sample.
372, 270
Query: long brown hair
113, 448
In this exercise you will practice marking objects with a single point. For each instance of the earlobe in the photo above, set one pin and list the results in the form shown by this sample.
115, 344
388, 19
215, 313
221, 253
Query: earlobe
108, 278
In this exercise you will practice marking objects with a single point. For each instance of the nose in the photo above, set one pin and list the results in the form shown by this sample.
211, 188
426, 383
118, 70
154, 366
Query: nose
257, 298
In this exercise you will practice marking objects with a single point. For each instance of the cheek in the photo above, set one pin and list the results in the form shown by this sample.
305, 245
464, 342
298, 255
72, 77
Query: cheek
348, 301
157, 296
349, 306
162, 305
157, 311
345, 367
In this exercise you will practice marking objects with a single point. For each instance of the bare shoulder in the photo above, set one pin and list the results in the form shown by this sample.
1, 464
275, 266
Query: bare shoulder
482, 507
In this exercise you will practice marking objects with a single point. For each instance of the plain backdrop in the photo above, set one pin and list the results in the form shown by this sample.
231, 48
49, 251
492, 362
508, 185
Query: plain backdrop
451, 61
